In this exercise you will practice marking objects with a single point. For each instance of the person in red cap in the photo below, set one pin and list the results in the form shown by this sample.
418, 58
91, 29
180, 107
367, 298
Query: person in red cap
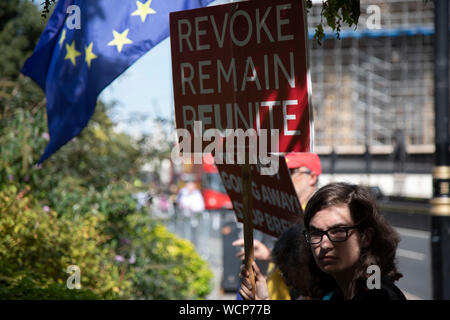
305, 169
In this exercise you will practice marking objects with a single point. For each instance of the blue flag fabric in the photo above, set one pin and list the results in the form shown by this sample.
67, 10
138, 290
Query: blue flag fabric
73, 65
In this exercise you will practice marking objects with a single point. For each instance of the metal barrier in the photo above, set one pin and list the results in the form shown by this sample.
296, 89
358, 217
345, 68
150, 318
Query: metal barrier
202, 229
212, 234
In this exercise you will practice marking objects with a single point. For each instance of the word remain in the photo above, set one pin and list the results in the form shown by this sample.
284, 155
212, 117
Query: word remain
225, 73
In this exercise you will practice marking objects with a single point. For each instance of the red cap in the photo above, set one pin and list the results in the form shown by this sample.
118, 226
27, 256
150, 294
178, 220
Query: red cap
304, 159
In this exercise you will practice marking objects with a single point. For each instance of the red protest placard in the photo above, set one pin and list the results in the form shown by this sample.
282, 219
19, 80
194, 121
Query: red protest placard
275, 203
242, 65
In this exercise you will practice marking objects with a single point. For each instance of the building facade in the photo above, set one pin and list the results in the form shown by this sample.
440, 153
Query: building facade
373, 96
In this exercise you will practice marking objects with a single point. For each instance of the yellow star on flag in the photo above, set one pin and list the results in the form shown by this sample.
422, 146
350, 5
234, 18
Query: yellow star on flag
89, 54
72, 53
63, 37
143, 10
120, 39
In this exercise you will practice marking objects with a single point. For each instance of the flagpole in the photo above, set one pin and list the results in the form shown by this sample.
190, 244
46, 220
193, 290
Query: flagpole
248, 218
440, 204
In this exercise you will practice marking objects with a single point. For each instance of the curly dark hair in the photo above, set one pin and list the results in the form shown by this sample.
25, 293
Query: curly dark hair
286, 254
365, 214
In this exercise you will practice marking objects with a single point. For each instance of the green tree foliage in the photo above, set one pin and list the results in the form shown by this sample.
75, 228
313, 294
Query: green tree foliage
165, 266
37, 246
77, 208
22, 103
19, 29
97, 157
46, 5
334, 11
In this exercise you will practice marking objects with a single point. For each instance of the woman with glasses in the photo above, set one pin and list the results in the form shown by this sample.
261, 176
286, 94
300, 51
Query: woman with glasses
346, 239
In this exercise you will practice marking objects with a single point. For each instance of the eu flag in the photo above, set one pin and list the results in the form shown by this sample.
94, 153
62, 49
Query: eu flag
75, 60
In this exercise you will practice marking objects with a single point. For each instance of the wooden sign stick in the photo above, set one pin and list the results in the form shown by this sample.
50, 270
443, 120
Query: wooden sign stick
248, 219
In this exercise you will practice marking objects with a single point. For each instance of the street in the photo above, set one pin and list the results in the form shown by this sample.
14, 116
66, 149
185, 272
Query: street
414, 261
413, 255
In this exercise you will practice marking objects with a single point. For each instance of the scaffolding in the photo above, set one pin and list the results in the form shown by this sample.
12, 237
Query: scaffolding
373, 89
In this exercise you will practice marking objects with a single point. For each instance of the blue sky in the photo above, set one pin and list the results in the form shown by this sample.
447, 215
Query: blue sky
144, 89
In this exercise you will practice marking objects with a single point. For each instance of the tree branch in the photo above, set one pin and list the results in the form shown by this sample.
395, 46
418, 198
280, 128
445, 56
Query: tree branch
334, 11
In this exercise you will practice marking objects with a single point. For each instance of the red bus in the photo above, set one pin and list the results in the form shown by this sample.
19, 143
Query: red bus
213, 191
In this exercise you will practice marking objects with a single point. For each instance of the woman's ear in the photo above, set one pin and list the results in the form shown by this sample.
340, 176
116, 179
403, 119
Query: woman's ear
313, 178
367, 236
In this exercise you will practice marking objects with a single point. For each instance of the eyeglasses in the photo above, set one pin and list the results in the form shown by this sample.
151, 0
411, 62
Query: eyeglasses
296, 170
335, 234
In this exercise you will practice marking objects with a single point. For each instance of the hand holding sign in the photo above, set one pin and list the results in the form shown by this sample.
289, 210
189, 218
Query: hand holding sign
261, 252
243, 66
256, 291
